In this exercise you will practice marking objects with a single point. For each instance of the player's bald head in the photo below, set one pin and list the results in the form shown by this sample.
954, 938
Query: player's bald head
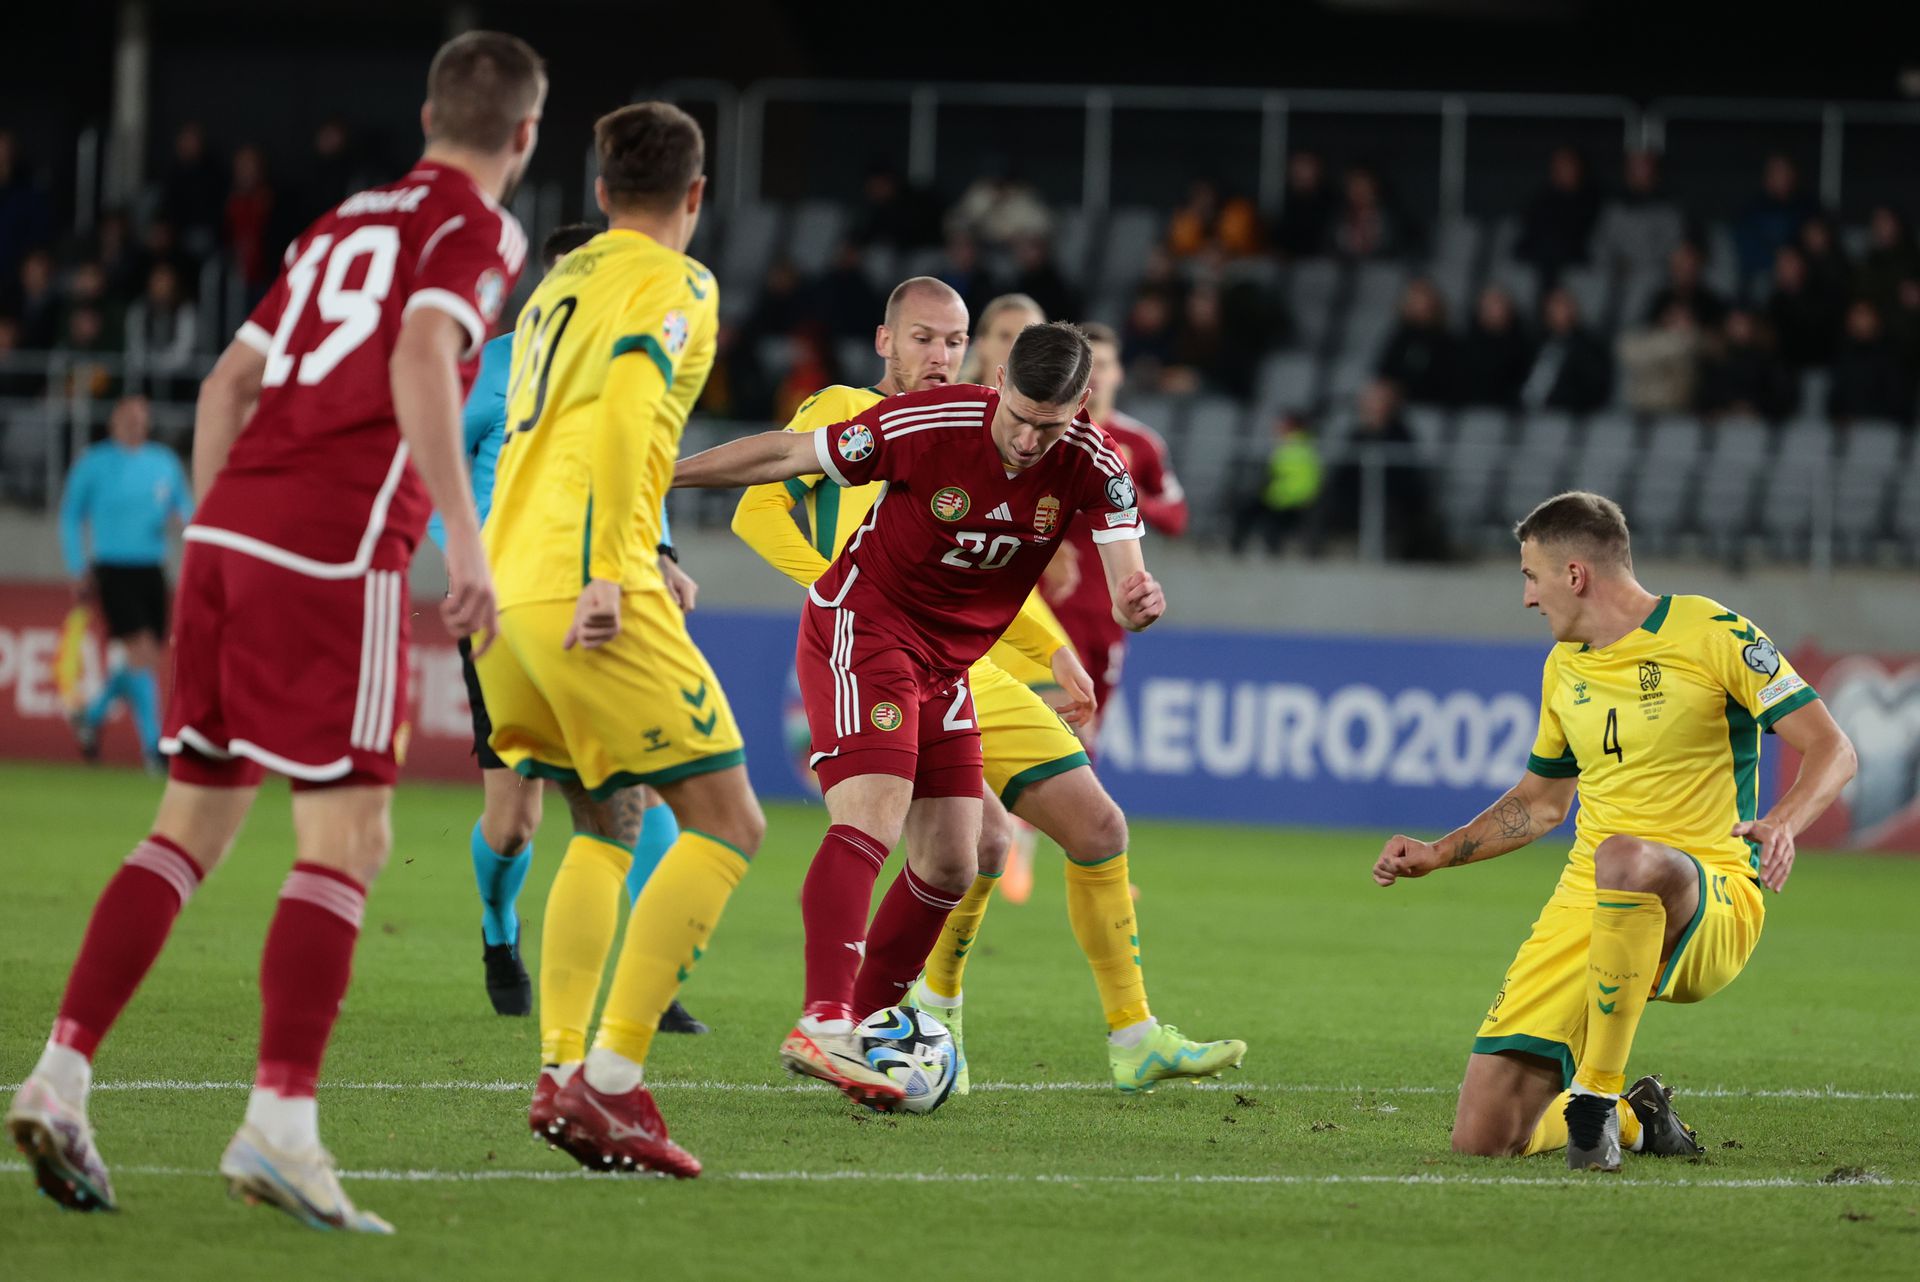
918, 292
1588, 527
480, 87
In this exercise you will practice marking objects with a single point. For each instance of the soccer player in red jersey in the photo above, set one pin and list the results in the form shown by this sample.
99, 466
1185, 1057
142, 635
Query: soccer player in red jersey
979, 482
290, 633
1078, 596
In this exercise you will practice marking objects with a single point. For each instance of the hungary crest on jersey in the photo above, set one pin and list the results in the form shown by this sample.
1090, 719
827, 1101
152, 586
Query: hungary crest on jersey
1046, 517
951, 503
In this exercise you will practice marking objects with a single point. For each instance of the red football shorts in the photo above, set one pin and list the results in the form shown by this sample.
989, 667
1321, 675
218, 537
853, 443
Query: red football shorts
277, 670
874, 709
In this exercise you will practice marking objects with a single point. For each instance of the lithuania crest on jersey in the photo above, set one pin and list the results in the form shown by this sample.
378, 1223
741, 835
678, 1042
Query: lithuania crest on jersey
855, 443
951, 503
1046, 517
886, 716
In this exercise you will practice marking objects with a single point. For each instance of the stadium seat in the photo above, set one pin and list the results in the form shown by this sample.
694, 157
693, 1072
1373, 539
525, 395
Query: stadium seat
1869, 462
1371, 310
1606, 456
1664, 480
1802, 463
1157, 410
1350, 374
1287, 381
858, 364
745, 254
818, 226
1312, 287
1131, 235
1428, 423
1456, 248
1906, 514
1518, 279
1072, 239
882, 266
1723, 506
1591, 289
1471, 468
1212, 445
1538, 461
1813, 391
1636, 295
1722, 269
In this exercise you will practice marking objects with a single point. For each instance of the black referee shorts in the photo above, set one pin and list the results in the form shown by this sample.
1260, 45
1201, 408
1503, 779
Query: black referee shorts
133, 599
482, 723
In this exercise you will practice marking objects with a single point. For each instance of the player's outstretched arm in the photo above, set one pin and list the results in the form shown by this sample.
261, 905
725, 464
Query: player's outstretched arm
1137, 598
1827, 762
227, 397
764, 522
752, 460
425, 375
1531, 808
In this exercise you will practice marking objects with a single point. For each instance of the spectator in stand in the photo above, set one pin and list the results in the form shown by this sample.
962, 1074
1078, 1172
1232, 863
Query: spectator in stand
38, 301
159, 244
894, 214
26, 221
1557, 231
1740, 374
86, 334
1147, 340
18, 382
1891, 258
1805, 319
1641, 227
114, 249
1685, 289
1200, 349
1412, 532
1207, 224
1867, 380
249, 222
1036, 275
964, 272
1366, 225
161, 332
780, 310
1495, 355
333, 171
1419, 355
1903, 332
1659, 363
1286, 485
999, 209
1771, 219
1305, 228
87, 288
1573, 370
1827, 266
193, 194
846, 301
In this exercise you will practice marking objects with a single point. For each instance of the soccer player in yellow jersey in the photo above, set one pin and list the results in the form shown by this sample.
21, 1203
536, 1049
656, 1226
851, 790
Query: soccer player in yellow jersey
1034, 765
594, 682
1651, 712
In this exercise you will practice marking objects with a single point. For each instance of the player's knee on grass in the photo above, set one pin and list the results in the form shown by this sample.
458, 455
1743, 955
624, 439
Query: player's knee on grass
347, 829
513, 810
1630, 863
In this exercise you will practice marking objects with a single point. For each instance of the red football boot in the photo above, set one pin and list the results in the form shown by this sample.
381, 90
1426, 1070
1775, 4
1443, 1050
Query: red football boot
619, 1132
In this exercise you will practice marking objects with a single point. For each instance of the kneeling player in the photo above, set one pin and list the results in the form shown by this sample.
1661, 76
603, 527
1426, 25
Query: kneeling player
1651, 712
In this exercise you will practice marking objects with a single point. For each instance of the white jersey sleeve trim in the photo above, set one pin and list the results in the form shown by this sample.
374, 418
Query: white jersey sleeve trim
254, 336
247, 545
1120, 535
455, 306
823, 451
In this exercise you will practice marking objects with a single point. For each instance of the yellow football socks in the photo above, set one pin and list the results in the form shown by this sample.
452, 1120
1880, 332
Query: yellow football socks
1623, 957
947, 963
583, 912
1100, 908
666, 935
1551, 1134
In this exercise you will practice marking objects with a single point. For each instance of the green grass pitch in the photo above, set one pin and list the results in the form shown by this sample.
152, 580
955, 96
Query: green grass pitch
1326, 1157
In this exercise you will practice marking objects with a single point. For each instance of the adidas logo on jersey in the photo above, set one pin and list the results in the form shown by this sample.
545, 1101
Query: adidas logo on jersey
1001, 513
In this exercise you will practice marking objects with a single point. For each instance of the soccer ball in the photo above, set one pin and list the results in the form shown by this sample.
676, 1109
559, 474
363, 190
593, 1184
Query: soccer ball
915, 1050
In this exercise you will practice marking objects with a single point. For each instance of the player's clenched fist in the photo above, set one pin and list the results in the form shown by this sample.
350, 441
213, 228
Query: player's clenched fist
1140, 601
1404, 857
596, 619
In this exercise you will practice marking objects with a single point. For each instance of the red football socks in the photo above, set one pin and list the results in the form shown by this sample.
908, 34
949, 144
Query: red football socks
904, 930
833, 903
129, 927
304, 973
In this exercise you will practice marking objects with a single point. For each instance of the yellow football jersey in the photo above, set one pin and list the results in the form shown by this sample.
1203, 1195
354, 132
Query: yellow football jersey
609, 357
833, 514
1663, 730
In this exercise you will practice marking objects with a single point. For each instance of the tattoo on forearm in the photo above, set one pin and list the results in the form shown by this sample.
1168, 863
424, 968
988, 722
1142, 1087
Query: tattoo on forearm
1514, 818
1468, 847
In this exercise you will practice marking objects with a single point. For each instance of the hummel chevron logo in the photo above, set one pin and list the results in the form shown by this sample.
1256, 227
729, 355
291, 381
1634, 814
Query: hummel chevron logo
695, 697
1608, 989
1001, 513
1606, 1008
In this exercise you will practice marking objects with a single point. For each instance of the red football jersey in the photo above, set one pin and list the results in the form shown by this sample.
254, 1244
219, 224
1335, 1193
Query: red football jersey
1087, 610
319, 474
954, 544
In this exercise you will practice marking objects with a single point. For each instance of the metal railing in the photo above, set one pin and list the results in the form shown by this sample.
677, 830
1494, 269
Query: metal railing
64, 403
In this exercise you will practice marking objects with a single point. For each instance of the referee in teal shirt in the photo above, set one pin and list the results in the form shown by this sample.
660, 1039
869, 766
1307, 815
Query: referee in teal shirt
113, 537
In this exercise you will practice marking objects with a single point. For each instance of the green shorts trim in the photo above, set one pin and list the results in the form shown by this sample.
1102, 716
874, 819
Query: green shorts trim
605, 841
1532, 1046
1010, 794
1686, 936
534, 769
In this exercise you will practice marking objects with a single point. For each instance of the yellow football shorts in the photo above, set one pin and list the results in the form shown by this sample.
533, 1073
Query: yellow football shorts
643, 709
1541, 1007
1022, 739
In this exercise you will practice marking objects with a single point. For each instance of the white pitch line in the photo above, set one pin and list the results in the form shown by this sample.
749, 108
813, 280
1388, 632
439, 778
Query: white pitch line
978, 1177
781, 1088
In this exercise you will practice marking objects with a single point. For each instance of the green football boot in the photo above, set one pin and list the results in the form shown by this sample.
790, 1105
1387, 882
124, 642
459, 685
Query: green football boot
1163, 1055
